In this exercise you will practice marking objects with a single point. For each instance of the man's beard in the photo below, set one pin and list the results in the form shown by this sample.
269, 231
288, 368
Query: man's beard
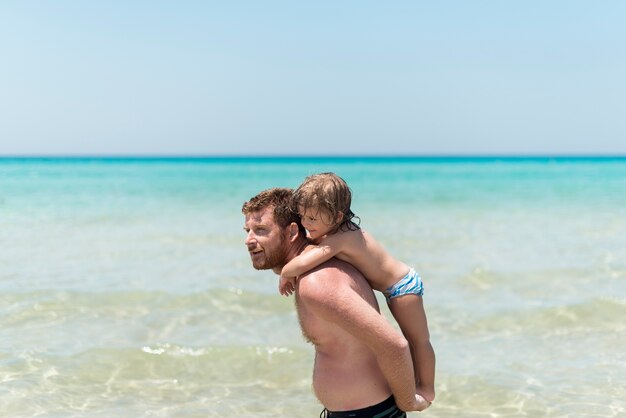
277, 259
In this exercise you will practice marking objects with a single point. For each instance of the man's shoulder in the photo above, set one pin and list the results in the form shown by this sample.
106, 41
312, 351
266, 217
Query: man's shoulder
335, 289
327, 279
332, 268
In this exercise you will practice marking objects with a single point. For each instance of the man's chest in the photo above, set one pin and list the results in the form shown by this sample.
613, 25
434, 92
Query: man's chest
311, 326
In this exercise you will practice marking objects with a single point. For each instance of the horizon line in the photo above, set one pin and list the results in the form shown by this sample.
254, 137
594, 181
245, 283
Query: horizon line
330, 156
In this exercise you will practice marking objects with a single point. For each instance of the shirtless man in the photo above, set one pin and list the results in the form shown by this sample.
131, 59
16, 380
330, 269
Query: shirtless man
363, 367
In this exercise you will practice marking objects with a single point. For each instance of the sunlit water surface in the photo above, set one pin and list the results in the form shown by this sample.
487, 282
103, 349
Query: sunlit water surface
126, 290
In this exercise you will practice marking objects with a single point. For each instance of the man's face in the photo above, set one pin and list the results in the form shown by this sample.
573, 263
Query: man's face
266, 240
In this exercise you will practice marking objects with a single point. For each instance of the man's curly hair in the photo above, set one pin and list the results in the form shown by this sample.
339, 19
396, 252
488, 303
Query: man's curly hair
280, 199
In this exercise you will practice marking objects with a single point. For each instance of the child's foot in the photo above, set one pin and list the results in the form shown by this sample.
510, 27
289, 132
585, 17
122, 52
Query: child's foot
426, 393
421, 402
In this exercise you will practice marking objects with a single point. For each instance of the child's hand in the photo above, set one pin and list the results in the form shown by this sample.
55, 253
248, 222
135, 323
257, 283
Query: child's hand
287, 285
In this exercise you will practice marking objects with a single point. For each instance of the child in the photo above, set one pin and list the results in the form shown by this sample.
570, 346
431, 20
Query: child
323, 202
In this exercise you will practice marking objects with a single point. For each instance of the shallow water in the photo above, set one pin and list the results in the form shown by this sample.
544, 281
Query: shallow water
126, 290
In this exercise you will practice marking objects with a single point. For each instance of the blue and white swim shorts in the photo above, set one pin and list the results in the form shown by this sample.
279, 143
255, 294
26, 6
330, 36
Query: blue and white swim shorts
411, 284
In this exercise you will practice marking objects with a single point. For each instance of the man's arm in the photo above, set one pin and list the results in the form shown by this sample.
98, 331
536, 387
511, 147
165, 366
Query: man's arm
343, 306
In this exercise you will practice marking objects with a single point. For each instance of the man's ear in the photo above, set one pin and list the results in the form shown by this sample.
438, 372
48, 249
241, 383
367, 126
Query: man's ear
293, 231
339, 219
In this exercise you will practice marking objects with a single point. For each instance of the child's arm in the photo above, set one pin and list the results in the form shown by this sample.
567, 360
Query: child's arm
313, 256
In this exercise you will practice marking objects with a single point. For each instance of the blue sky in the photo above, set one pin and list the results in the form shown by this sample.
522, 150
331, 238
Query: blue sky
312, 77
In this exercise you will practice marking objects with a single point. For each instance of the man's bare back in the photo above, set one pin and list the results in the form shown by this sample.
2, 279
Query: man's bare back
335, 306
346, 374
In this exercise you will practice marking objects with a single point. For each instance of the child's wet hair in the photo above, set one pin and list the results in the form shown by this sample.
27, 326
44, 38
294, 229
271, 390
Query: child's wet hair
329, 193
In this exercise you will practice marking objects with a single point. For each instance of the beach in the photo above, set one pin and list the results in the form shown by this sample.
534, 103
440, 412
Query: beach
126, 289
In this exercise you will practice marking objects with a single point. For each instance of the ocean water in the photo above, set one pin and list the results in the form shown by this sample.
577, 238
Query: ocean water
126, 290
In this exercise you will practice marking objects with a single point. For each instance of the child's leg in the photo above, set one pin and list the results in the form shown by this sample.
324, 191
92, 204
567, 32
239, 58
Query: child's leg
408, 310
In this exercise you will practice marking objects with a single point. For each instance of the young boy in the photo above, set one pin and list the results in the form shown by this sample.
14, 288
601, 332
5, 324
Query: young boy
323, 203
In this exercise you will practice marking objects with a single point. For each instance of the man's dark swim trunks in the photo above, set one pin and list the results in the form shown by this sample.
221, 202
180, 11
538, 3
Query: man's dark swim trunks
385, 409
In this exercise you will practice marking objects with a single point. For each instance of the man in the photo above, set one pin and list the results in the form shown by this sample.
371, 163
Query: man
362, 365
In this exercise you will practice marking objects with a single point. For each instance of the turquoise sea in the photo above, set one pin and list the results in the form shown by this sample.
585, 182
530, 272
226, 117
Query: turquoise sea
126, 289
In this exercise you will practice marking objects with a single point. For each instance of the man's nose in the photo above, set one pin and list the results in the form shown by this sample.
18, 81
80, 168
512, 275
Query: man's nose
250, 239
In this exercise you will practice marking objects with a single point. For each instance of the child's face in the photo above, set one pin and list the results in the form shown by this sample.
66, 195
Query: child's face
316, 221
